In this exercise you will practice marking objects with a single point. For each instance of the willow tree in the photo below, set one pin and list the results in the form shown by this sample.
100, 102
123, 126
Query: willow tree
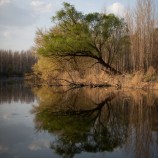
95, 35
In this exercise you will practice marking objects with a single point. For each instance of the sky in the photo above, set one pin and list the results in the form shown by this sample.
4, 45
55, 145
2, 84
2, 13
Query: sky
19, 19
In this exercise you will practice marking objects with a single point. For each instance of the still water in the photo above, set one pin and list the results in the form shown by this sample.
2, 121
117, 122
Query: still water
77, 123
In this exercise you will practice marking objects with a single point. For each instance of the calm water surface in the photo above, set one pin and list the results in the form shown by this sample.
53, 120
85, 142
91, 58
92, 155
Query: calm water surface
81, 123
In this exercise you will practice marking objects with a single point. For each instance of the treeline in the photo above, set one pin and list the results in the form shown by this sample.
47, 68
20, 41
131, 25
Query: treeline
16, 63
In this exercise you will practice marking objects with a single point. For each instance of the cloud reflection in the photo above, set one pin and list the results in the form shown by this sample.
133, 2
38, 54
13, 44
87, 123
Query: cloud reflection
39, 144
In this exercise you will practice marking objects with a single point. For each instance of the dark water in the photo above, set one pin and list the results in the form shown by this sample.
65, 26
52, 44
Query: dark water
80, 123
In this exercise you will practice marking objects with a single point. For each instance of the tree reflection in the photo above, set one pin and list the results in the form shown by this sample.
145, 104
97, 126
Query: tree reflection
82, 123
143, 115
97, 120
15, 91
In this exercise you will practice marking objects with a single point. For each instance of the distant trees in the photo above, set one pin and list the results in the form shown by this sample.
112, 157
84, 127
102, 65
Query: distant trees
16, 63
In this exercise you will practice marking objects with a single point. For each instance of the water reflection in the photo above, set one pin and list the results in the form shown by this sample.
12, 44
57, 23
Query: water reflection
15, 91
99, 120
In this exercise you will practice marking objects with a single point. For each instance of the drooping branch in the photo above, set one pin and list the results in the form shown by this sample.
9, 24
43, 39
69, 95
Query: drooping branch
99, 59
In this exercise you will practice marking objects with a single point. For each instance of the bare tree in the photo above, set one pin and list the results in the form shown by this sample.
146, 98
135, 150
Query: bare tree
141, 25
16, 63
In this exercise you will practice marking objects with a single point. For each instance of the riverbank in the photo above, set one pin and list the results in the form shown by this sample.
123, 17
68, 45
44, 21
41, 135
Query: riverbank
137, 80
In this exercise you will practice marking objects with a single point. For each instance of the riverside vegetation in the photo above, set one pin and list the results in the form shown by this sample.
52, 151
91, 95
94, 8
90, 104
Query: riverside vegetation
99, 49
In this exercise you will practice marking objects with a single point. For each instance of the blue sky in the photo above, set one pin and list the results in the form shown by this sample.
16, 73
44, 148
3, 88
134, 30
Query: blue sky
19, 19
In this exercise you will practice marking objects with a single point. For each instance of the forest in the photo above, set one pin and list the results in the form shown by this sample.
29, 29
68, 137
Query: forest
85, 48
16, 63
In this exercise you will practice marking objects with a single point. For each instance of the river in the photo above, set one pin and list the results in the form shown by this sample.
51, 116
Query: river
77, 123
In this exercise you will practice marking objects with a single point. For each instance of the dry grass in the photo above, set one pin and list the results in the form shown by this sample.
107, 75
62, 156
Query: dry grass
150, 75
138, 80
90, 77
132, 80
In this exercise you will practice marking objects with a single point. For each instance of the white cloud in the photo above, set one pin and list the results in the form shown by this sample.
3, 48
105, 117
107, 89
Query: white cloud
117, 9
41, 6
3, 2
7, 34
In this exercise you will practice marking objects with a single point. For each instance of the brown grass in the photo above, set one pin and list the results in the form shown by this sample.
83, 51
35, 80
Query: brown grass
136, 80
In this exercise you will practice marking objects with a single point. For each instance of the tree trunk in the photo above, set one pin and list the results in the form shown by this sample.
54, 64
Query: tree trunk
107, 66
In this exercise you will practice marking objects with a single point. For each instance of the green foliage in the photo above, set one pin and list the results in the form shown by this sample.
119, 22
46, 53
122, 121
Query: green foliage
94, 35
46, 68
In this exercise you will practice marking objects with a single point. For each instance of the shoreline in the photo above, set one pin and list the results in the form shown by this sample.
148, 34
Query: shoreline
120, 85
